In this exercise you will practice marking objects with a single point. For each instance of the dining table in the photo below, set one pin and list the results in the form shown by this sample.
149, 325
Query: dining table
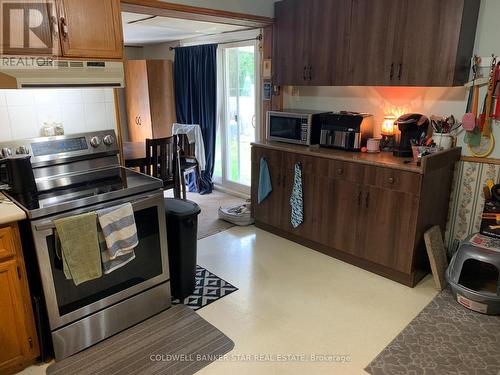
134, 155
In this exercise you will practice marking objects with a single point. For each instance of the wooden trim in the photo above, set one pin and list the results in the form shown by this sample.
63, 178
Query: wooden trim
474, 159
7, 81
164, 9
118, 125
410, 279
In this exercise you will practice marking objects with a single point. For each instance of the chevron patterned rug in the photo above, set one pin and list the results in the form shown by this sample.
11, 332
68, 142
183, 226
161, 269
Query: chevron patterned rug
209, 288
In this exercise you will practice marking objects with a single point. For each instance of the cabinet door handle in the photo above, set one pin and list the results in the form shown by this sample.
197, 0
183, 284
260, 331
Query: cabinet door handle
400, 70
391, 180
310, 72
359, 198
367, 199
340, 171
392, 72
64, 27
54, 27
304, 73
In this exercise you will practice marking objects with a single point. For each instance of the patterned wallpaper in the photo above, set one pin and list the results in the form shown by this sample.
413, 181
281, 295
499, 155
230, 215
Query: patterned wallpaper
467, 200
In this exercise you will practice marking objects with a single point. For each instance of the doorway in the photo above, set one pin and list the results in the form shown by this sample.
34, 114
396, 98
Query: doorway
238, 75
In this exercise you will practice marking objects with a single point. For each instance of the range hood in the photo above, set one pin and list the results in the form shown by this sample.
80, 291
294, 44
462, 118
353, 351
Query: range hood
23, 72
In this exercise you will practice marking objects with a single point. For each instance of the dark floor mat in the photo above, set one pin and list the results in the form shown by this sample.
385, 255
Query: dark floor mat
177, 341
444, 339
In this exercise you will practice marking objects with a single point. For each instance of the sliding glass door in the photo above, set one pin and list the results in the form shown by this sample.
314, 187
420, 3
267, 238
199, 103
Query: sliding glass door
238, 98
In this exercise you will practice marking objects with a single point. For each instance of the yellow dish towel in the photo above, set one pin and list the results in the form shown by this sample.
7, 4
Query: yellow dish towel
80, 247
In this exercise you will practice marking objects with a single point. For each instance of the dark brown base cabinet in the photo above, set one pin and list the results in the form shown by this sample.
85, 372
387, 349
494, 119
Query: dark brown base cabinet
368, 212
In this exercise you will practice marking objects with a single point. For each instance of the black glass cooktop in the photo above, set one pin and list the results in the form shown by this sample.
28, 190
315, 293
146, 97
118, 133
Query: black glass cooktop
90, 188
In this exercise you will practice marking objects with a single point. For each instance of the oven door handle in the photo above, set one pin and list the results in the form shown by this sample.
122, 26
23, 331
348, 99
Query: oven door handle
49, 224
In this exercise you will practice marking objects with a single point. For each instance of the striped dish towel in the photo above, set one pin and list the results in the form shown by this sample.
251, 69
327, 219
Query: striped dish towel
117, 236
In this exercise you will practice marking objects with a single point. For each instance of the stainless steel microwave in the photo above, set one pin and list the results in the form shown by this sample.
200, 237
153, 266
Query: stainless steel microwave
292, 126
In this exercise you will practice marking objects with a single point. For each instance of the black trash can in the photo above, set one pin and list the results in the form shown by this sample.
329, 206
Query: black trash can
182, 229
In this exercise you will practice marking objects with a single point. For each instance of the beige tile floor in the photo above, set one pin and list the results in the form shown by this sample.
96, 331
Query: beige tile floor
294, 303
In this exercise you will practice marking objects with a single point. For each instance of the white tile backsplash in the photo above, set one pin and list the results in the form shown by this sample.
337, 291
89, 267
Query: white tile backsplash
23, 112
3, 102
109, 96
95, 116
73, 118
5, 134
93, 95
70, 96
23, 122
19, 97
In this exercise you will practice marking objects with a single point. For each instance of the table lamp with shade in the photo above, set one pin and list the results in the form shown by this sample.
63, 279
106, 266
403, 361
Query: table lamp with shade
387, 132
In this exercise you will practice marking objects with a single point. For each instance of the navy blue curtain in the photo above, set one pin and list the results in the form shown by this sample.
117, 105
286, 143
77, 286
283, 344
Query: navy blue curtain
195, 82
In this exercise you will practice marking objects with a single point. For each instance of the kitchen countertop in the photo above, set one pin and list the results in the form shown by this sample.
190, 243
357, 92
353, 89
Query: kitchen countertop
381, 159
9, 212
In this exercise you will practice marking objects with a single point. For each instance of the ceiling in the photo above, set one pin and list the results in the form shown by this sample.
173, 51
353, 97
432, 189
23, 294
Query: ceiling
140, 29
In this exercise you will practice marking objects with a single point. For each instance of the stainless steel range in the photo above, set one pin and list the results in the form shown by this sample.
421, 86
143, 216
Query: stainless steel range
81, 173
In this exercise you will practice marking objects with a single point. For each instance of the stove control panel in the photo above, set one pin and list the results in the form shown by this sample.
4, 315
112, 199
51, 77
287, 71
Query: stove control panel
63, 148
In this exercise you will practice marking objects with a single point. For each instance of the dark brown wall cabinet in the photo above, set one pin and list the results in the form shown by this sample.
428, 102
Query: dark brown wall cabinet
369, 215
374, 42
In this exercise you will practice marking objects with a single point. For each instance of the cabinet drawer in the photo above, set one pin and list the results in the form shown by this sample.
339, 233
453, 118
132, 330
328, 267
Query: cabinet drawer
7, 247
343, 170
393, 179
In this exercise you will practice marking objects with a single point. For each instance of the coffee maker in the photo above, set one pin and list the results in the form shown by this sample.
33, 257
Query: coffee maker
411, 126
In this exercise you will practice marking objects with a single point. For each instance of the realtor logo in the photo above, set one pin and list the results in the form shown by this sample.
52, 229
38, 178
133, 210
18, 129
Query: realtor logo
26, 27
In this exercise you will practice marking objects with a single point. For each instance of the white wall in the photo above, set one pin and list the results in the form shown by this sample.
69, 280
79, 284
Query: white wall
257, 7
382, 100
23, 112
159, 50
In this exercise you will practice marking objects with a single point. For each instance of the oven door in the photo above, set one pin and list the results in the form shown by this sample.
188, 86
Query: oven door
288, 127
67, 302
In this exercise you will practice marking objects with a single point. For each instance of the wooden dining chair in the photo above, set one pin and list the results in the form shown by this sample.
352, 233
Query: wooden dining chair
162, 161
187, 161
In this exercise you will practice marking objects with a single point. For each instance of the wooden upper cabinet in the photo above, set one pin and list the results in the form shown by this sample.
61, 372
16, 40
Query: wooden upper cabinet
149, 95
374, 42
91, 28
291, 42
328, 44
42, 39
137, 100
374, 51
311, 53
438, 52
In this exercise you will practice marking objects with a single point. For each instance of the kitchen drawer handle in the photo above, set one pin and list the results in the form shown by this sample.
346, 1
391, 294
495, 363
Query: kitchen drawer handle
54, 26
64, 27
391, 180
